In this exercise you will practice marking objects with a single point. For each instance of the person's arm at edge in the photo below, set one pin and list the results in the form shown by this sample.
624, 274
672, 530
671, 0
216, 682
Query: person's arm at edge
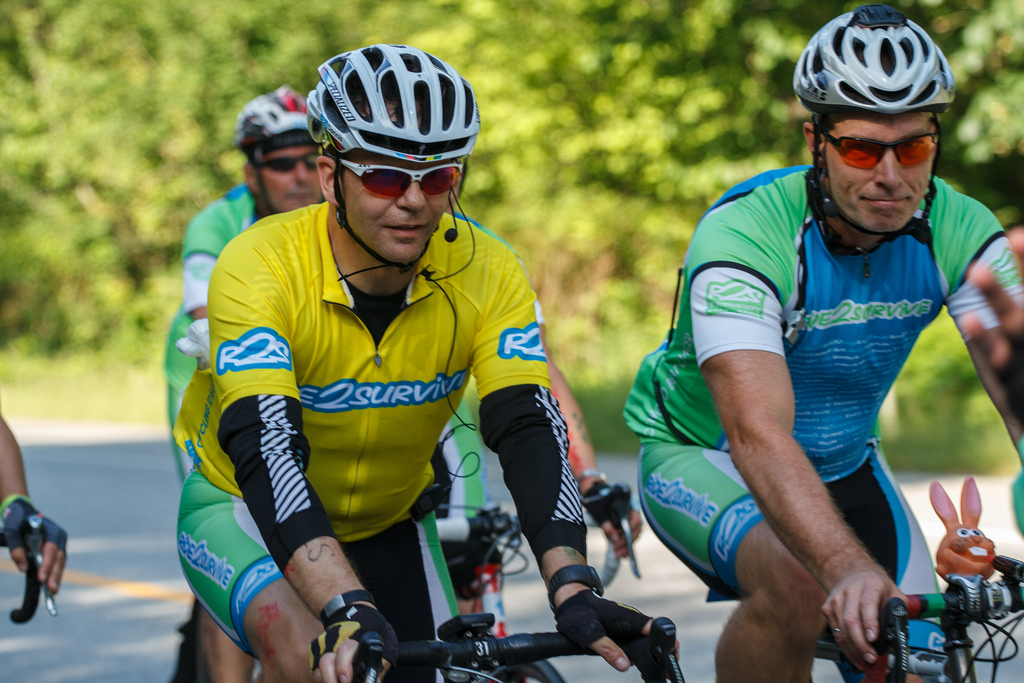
14, 483
582, 457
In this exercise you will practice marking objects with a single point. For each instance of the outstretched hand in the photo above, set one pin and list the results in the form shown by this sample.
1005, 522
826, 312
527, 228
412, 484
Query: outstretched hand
1004, 345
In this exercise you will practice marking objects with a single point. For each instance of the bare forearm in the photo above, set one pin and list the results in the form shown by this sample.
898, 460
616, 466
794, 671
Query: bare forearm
995, 390
319, 570
581, 450
799, 509
755, 400
554, 559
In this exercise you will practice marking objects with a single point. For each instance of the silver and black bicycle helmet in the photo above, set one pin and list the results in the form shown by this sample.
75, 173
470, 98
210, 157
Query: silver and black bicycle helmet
393, 100
873, 59
272, 121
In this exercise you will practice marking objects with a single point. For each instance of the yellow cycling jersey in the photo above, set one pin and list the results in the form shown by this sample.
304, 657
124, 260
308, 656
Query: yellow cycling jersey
281, 323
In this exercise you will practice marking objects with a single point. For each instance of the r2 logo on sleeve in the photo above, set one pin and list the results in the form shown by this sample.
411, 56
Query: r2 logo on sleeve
258, 348
524, 343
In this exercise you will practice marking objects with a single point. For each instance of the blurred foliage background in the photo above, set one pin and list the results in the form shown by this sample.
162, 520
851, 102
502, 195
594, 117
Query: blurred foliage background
608, 127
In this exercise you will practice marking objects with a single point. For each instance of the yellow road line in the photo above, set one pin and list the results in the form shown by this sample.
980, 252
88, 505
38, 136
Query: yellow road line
131, 589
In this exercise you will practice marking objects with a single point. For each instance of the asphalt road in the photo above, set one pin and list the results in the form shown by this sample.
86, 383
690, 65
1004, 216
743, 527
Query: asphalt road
114, 488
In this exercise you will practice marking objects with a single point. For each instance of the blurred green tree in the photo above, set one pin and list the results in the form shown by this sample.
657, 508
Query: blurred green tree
608, 127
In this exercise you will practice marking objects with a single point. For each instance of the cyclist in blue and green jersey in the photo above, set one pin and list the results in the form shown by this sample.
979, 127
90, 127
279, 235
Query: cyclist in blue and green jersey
341, 337
280, 175
804, 290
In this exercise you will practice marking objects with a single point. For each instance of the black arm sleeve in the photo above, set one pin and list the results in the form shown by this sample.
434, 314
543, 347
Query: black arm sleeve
263, 437
524, 426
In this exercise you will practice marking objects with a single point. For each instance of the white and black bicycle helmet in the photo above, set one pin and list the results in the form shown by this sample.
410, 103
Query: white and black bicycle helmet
432, 115
874, 59
272, 121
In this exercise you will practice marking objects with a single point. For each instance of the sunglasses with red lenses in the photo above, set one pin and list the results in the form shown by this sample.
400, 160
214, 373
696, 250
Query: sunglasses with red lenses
285, 164
861, 153
390, 181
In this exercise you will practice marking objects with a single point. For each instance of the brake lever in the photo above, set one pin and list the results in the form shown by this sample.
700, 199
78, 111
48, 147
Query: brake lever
893, 640
369, 662
36, 541
620, 508
654, 655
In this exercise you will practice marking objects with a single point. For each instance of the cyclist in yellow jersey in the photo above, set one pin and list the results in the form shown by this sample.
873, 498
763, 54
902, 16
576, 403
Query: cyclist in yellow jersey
342, 336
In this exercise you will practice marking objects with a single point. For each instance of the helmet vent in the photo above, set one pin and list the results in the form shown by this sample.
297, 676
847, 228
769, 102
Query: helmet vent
357, 96
925, 45
926, 94
437, 63
470, 104
853, 95
837, 47
447, 101
858, 50
412, 63
389, 88
333, 115
887, 56
374, 57
412, 147
817, 66
890, 96
337, 65
908, 49
421, 93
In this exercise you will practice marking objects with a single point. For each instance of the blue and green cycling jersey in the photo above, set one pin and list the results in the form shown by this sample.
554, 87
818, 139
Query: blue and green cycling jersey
759, 275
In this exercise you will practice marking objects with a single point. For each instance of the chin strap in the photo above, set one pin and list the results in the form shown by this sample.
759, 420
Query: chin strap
343, 222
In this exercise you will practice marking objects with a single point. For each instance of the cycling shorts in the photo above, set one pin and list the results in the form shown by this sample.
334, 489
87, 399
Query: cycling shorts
698, 505
226, 564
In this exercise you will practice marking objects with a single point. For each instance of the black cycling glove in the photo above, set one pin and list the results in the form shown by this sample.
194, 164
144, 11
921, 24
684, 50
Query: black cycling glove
358, 622
586, 617
16, 516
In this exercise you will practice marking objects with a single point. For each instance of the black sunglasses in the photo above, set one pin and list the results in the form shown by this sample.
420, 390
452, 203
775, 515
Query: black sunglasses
285, 164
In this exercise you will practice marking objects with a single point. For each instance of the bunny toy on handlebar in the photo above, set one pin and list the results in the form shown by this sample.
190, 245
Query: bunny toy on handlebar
964, 549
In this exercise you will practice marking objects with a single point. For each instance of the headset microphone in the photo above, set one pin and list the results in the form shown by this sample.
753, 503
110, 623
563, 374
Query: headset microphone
450, 234
829, 207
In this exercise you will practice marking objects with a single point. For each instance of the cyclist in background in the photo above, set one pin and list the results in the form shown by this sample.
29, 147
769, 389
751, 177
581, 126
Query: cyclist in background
16, 507
459, 460
280, 176
805, 289
342, 336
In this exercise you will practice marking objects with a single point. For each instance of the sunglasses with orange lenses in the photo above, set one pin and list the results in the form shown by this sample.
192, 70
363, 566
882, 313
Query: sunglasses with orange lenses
391, 181
861, 153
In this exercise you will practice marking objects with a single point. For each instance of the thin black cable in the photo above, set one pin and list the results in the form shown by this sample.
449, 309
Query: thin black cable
429, 277
451, 349
450, 434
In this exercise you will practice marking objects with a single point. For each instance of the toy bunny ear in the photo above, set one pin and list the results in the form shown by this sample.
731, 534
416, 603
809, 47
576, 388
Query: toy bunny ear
970, 503
943, 506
